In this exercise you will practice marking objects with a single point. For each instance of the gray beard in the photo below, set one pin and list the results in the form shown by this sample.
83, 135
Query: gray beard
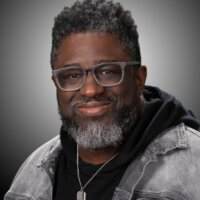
98, 135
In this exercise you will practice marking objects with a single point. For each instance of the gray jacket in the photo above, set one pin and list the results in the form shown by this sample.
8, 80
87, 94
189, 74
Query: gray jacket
168, 169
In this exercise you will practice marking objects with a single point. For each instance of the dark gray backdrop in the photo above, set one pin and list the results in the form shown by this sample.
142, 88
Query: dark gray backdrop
169, 37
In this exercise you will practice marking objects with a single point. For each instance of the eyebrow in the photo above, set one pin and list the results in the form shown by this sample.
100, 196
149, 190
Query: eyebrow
95, 63
105, 60
71, 64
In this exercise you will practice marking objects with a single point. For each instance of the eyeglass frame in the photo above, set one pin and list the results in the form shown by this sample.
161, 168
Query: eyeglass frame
91, 69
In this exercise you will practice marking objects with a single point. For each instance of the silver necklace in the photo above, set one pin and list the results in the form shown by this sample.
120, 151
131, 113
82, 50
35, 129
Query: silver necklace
81, 194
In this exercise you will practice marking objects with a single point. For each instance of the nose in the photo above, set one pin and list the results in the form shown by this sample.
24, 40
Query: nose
91, 88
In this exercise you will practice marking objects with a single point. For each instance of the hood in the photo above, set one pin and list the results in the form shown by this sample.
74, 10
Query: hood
160, 112
170, 111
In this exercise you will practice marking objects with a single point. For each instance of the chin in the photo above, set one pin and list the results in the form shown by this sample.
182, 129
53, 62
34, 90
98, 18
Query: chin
86, 122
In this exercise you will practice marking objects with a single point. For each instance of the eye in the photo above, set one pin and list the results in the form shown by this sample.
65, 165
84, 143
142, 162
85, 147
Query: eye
111, 69
71, 74
106, 71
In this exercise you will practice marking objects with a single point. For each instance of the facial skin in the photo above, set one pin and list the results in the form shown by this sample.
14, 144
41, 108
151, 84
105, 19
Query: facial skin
87, 50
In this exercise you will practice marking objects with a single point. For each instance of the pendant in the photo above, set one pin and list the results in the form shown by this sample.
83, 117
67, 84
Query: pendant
81, 195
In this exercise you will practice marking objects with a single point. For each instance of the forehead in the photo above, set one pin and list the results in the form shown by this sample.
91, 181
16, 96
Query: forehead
88, 48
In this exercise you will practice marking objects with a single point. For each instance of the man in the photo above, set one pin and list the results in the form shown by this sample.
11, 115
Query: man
119, 138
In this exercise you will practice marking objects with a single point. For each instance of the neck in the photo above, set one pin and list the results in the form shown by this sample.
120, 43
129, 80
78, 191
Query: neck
97, 156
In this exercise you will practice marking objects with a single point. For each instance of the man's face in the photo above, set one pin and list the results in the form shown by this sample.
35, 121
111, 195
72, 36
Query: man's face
94, 109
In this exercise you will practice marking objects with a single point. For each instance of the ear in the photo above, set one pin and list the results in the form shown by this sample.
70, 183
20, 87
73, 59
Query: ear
141, 78
53, 79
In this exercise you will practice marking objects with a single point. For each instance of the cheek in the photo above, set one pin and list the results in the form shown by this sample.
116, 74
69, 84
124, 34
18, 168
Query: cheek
64, 99
126, 92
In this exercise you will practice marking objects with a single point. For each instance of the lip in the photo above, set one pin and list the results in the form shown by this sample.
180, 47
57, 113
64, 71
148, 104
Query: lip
93, 109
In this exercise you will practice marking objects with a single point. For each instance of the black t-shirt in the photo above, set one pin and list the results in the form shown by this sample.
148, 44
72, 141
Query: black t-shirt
101, 187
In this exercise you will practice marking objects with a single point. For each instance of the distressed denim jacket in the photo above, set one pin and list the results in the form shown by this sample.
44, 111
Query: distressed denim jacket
168, 169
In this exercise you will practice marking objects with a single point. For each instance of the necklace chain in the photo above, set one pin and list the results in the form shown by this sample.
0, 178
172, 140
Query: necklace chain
93, 176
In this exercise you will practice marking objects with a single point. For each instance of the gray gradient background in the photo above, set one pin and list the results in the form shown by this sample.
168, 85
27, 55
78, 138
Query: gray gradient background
169, 37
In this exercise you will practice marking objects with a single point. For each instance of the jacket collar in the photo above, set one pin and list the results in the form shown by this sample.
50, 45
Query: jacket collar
49, 158
52, 152
174, 139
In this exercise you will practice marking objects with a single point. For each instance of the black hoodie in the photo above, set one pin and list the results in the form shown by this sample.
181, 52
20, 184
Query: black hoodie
160, 112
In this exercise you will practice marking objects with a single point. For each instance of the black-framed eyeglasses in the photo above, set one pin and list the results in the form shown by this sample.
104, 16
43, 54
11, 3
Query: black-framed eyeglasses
106, 74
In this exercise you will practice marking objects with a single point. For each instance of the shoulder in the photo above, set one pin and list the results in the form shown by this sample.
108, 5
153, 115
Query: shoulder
178, 147
42, 153
32, 179
176, 169
180, 137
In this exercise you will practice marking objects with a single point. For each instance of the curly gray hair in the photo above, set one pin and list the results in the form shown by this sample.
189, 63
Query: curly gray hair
96, 16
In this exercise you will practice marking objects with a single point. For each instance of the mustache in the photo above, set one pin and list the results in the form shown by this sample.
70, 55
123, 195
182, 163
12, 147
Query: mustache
100, 98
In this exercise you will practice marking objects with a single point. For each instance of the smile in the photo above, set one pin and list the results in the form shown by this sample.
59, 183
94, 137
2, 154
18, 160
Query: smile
93, 109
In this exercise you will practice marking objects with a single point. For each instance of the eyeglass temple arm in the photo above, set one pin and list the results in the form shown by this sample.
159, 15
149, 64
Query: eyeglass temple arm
133, 63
